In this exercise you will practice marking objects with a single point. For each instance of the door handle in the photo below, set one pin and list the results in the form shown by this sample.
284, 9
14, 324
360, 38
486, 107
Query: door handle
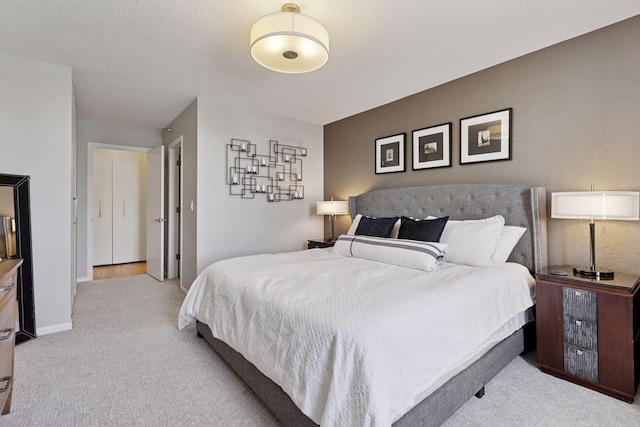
160, 219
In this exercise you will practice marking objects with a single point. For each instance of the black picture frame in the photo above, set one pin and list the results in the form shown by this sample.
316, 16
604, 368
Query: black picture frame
26, 305
390, 154
431, 147
486, 137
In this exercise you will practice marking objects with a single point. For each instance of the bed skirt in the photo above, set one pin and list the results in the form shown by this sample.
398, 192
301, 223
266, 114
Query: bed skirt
432, 411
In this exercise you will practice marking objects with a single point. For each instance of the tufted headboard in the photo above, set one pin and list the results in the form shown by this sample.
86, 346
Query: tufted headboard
520, 205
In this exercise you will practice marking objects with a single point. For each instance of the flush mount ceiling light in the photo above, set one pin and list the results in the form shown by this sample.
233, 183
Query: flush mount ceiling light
289, 42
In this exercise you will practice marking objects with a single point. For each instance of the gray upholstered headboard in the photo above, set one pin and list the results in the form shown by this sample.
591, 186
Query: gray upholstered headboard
520, 205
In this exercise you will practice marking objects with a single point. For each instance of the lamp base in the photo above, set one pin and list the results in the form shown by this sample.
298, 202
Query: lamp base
588, 273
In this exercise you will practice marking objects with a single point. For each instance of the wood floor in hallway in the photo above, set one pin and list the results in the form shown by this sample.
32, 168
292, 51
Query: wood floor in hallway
119, 270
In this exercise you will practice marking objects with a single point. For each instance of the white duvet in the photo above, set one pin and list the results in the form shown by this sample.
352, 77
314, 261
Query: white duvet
351, 341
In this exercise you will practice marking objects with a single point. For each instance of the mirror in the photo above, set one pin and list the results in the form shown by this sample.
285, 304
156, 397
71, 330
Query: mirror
16, 243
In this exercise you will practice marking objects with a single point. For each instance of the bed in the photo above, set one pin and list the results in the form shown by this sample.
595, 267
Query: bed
436, 396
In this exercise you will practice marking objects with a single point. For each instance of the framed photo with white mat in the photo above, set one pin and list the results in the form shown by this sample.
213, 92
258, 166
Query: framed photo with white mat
432, 147
486, 137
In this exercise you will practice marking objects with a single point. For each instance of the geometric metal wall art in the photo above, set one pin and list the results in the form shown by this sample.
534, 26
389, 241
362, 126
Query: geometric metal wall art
277, 175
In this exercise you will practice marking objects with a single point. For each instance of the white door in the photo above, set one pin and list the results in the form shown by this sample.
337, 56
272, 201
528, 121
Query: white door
129, 206
155, 213
102, 211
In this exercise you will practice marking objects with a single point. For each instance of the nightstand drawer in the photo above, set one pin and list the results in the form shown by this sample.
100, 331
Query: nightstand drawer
580, 304
580, 333
581, 363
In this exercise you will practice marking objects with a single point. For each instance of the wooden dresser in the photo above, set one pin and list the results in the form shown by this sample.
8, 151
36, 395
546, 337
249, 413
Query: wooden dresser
588, 330
8, 284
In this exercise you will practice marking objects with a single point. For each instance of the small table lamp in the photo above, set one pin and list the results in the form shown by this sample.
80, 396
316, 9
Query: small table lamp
332, 208
592, 205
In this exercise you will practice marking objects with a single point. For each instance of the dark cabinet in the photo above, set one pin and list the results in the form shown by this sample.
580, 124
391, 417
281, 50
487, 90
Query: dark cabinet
588, 331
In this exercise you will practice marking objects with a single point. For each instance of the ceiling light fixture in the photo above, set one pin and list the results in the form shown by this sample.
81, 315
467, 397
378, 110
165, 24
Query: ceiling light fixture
289, 42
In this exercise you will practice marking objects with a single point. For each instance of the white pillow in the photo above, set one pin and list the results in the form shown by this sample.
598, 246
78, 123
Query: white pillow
472, 242
354, 225
414, 254
356, 222
507, 240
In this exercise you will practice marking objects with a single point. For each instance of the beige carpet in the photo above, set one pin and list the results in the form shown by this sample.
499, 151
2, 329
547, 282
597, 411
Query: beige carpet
126, 364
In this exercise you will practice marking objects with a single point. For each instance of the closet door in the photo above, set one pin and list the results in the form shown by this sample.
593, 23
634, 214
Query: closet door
102, 207
129, 206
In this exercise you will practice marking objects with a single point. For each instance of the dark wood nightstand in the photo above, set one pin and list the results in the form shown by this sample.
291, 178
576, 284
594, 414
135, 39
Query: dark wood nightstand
320, 243
588, 331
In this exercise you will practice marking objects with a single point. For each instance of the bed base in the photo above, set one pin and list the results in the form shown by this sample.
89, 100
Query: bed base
434, 410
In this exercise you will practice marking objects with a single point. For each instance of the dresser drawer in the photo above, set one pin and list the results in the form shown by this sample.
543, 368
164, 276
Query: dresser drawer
579, 304
7, 343
581, 363
580, 333
8, 279
7, 331
7, 309
6, 354
8, 291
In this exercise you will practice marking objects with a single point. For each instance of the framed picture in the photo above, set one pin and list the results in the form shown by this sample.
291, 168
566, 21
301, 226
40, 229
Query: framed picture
432, 147
390, 154
486, 138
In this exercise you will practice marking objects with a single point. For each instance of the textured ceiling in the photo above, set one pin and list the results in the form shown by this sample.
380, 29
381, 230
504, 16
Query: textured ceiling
141, 62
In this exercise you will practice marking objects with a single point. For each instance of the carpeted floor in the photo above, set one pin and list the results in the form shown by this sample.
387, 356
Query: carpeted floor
125, 363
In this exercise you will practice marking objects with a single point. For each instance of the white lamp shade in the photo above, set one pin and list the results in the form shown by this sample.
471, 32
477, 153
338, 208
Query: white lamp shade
332, 207
604, 205
274, 36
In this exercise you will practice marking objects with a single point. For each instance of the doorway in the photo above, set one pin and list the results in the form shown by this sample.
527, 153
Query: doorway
174, 210
106, 245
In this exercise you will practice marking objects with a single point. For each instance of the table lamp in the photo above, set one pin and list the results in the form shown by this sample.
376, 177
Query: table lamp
332, 208
593, 205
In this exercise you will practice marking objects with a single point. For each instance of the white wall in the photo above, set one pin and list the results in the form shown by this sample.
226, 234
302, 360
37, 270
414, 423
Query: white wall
36, 119
230, 226
102, 133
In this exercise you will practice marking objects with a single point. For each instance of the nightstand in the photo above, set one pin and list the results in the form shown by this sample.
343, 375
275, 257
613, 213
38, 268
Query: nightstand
320, 243
588, 331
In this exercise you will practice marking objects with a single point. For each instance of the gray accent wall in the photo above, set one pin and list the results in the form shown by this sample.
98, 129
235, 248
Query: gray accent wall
576, 122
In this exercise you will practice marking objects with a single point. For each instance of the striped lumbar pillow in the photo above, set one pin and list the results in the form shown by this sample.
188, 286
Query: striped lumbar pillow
414, 254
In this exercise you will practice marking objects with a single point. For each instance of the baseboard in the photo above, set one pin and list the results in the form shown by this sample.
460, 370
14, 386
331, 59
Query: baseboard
84, 279
53, 329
